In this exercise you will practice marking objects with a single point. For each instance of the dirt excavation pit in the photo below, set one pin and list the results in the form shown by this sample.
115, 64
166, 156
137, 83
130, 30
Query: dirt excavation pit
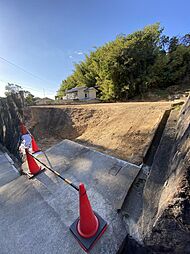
123, 130
146, 207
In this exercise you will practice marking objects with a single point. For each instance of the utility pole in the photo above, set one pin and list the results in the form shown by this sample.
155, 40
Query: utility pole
44, 94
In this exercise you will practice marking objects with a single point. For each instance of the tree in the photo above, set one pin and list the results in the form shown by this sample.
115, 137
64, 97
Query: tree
132, 64
29, 98
15, 89
12, 89
185, 40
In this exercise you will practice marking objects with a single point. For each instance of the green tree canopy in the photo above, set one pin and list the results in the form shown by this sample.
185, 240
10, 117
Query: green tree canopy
15, 89
131, 64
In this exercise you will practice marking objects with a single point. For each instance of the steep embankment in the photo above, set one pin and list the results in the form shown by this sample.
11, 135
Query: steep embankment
11, 109
124, 130
166, 211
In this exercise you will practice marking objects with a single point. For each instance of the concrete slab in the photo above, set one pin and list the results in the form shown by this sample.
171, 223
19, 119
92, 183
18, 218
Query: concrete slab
36, 214
9, 158
3, 158
110, 176
7, 170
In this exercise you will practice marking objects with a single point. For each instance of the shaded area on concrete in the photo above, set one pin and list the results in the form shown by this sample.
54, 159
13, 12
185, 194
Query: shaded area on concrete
131, 246
159, 171
8, 172
133, 205
150, 154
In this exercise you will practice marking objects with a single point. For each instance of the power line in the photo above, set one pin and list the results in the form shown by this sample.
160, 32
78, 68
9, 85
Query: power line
28, 72
28, 87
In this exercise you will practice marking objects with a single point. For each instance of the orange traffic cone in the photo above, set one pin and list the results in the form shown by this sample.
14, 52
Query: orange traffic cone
89, 227
35, 147
23, 129
32, 165
88, 222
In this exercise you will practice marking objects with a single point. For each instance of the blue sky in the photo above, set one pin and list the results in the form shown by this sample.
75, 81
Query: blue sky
46, 37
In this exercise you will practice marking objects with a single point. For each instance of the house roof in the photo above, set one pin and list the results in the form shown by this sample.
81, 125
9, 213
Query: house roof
42, 99
75, 89
90, 88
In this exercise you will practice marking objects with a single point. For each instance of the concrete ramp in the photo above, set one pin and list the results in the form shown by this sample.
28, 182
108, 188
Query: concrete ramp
36, 214
7, 170
107, 175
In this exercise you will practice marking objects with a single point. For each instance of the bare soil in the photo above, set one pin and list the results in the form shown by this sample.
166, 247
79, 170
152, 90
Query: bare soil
124, 130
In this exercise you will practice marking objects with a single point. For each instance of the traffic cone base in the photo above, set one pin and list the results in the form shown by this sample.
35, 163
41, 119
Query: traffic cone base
33, 167
88, 243
30, 176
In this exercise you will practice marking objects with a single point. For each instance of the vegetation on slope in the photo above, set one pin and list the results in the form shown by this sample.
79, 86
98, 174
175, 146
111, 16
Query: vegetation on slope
132, 64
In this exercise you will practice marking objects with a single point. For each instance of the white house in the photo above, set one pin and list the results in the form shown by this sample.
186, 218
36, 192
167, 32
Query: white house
41, 101
81, 93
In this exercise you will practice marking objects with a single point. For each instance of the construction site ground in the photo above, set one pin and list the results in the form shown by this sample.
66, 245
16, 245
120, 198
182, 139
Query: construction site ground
42, 209
123, 130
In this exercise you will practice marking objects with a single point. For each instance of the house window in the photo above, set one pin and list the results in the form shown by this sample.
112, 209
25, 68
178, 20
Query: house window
86, 95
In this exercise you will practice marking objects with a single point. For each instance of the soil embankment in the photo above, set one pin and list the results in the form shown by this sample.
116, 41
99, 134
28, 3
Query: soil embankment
124, 130
11, 110
159, 216
166, 211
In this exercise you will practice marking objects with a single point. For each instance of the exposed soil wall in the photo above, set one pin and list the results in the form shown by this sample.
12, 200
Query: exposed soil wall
124, 130
11, 110
166, 212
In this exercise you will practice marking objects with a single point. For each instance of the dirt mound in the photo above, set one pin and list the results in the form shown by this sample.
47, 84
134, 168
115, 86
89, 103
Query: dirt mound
124, 130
